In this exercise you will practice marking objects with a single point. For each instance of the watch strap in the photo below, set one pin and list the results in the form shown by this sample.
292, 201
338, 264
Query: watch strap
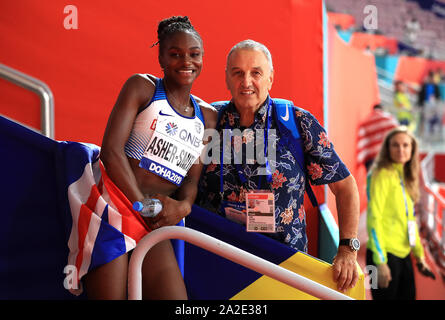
352, 243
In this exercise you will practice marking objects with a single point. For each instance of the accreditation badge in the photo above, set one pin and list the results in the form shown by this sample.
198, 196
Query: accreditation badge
260, 209
412, 233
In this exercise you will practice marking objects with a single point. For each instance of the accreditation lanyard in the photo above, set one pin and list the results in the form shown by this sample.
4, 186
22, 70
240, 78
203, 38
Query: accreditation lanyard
238, 167
411, 223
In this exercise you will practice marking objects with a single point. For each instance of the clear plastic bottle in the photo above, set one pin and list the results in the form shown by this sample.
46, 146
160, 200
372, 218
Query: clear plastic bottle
148, 208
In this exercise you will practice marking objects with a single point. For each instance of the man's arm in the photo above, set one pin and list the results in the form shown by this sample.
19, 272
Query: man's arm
348, 208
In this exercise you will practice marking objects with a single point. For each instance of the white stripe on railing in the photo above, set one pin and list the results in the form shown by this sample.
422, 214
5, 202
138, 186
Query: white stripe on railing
227, 251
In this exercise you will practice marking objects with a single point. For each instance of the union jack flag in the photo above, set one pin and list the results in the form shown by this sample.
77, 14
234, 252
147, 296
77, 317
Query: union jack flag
104, 225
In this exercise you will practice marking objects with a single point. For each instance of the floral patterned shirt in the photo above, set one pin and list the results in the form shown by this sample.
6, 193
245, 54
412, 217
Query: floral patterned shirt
288, 181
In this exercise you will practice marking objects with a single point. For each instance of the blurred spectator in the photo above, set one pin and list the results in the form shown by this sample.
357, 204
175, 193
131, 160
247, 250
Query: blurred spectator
412, 28
403, 105
371, 133
428, 97
437, 76
440, 81
429, 91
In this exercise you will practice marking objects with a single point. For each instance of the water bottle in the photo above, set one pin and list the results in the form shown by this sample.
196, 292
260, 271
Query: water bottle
148, 208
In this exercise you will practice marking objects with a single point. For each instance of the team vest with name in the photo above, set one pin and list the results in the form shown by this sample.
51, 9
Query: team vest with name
166, 142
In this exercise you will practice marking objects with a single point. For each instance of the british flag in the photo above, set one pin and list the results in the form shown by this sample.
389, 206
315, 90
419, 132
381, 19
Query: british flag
104, 225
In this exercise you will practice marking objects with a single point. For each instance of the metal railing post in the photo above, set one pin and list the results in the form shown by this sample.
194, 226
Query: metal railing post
41, 89
227, 251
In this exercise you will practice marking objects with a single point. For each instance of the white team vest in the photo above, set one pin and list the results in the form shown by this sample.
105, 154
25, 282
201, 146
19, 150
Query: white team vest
166, 142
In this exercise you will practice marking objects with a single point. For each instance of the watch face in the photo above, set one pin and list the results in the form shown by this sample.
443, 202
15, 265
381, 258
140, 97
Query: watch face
355, 244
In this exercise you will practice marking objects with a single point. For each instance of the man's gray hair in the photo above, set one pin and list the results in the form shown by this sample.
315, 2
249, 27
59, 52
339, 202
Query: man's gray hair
252, 45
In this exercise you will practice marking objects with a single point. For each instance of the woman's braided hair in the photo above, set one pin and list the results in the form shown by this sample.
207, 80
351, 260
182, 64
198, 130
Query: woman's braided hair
169, 26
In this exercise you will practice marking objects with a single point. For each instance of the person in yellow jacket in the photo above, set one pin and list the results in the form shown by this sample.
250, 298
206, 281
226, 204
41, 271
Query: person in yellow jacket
393, 189
402, 103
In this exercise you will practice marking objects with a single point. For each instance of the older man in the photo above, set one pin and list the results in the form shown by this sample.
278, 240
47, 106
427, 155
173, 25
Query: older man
279, 185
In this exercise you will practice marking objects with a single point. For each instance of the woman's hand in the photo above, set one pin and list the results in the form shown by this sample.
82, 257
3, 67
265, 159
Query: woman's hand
173, 211
383, 275
424, 269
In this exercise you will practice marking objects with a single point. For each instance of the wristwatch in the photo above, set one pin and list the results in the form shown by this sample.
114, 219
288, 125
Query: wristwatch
353, 243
